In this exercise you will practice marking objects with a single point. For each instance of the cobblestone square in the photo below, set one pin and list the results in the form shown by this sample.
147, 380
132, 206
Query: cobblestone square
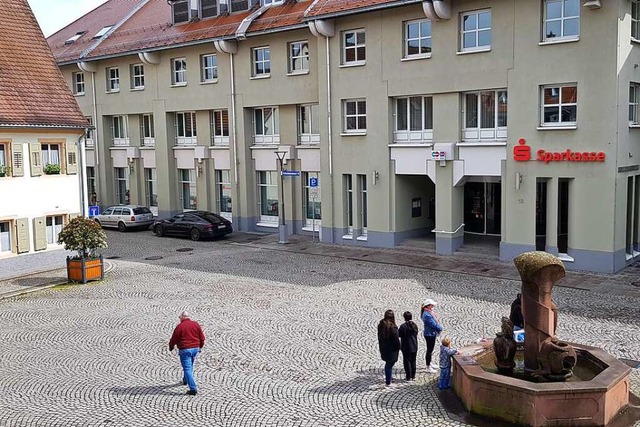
300, 351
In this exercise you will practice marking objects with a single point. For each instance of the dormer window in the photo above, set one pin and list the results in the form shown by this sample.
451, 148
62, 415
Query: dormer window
239, 5
75, 38
102, 32
271, 2
181, 11
208, 8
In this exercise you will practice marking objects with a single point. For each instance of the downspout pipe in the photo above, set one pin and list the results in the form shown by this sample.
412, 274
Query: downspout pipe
437, 10
230, 47
82, 173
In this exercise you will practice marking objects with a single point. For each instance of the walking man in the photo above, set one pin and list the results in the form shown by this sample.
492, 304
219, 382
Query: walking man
189, 339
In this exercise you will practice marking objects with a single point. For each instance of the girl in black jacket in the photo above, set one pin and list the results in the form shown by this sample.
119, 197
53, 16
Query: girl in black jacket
389, 343
408, 333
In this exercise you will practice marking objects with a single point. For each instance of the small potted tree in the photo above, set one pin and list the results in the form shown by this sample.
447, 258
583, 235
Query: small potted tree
83, 236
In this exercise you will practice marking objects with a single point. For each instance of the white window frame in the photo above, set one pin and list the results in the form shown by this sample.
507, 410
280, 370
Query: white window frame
635, 20
113, 80
363, 202
559, 105
411, 135
475, 31
120, 130
6, 244
358, 103
266, 180
187, 138
219, 132
299, 61
103, 31
179, 71
137, 76
4, 155
312, 112
562, 19
359, 48
265, 61
189, 12
478, 132
147, 130
54, 225
266, 135
121, 176
223, 183
47, 156
187, 179
75, 37
634, 101
209, 72
89, 136
349, 204
151, 186
203, 8
91, 184
78, 83
272, 2
307, 203
420, 38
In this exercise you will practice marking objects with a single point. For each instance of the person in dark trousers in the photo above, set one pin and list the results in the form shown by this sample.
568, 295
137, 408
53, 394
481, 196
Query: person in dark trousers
408, 333
389, 343
516, 313
189, 339
432, 329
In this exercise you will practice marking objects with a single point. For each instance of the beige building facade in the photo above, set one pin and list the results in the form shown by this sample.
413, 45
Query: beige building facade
516, 120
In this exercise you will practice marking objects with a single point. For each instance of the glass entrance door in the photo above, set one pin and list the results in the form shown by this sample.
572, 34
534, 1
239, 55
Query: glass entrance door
482, 207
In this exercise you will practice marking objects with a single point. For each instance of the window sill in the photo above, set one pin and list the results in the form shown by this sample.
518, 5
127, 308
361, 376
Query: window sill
415, 57
209, 82
267, 224
136, 89
635, 41
298, 73
79, 94
260, 77
362, 238
112, 91
219, 146
482, 144
568, 127
353, 134
347, 237
565, 257
263, 146
467, 52
634, 126
310, 229
559, 41
178, 85
308, 145
411, 144
353, 64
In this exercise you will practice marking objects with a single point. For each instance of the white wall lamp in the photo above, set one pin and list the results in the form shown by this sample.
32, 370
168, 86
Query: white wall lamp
592, 4
518, 180
375, 176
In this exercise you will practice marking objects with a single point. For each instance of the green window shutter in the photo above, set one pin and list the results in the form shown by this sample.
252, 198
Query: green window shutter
40, 233
17, 159
35, 157
22, 231
72, 158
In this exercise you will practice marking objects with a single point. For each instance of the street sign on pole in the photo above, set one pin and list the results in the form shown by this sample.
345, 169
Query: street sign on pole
313, 182
314, 193
94, 211
290, 173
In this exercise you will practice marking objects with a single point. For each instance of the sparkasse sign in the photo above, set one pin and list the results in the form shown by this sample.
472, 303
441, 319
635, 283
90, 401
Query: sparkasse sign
522, 153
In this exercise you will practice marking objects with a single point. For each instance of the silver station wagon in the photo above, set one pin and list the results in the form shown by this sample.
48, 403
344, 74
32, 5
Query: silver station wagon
125, 217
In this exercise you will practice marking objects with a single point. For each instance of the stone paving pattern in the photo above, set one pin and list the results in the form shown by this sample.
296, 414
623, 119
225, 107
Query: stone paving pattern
291, 338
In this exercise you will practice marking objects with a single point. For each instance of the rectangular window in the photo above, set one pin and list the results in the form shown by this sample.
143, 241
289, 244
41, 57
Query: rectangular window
485, 115
353, 47
119, 130
89, 136
178, 71
122, 185
311, 203
137, 76
187, 181
186, 128
151, 190
266, 125
475, 31
561, 19
223, 180
272, 2
559, 105
417, 38
414, 119
50, 154
261, 60
180, 11
348, 188
4, 158
362, 182
309, 123
54, 227
634, 95
298, 57
5, 236
78, 83
209, 72
91, 185
220, 127
113, 79
268, 195
354, 114
208, 8
635, 19
148, 132
239, 5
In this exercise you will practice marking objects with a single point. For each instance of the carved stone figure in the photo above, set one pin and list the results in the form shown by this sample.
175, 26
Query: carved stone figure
544, 355
504, 347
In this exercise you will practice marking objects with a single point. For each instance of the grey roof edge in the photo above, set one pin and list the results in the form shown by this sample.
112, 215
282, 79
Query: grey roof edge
41, 126
364, 9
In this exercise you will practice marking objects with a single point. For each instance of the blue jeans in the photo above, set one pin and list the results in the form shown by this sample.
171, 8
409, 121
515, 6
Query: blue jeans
187, 358
388, 367
445, 378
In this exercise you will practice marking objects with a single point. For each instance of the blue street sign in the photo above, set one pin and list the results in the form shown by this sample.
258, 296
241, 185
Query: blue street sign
313, 182
94, 211
290, 173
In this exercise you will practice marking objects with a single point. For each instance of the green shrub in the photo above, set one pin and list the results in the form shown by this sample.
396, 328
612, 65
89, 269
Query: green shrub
51, 168
84, 236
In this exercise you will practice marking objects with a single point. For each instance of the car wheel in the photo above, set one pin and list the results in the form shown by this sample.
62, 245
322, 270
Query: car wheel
122, 227
159, 231
98, 222
195, 234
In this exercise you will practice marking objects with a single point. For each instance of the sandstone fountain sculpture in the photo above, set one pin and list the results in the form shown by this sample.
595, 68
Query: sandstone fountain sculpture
551, 382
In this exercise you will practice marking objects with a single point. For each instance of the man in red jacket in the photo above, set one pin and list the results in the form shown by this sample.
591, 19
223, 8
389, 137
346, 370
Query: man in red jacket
189, 338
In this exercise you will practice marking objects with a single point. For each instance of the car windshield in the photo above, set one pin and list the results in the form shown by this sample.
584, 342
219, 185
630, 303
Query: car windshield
140, 211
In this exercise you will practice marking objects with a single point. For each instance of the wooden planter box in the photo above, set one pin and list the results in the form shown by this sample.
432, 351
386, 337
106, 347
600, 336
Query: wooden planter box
85, 270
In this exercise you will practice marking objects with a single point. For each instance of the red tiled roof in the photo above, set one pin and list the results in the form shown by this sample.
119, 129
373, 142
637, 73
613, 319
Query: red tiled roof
32, 89
330, 7
287, 15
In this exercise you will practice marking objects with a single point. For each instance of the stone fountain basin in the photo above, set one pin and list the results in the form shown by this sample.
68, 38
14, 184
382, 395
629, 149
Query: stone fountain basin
593, 402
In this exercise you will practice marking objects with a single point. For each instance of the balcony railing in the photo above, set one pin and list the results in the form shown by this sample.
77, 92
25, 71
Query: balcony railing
186, 141
121, 142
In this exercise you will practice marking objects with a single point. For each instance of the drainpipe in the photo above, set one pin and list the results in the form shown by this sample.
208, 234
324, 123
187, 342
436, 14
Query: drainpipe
82, 173
231, 47
436, 10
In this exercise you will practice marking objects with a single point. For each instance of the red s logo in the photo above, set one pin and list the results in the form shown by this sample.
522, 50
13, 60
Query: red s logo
522, 152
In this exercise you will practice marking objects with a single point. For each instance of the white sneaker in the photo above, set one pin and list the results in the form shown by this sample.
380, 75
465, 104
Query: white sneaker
432, 370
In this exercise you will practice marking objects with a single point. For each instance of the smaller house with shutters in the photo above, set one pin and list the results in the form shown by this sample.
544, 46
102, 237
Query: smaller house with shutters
41, 137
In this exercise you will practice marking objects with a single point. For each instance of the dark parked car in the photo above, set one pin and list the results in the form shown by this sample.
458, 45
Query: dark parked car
195, 224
